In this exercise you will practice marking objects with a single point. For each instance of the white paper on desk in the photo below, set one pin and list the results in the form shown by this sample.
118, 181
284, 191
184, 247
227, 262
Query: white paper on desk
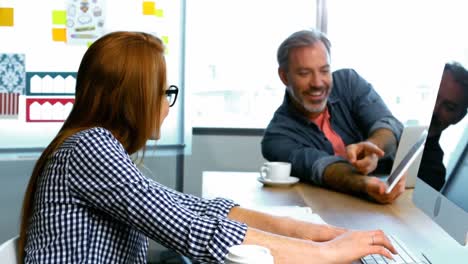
297, 212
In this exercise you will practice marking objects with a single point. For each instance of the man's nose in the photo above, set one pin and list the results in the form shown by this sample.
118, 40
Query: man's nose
315, 80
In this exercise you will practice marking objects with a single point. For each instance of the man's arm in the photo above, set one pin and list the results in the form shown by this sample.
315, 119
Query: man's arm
308, 162
365, 155
385, 139
373, 117
352, 178
343, 177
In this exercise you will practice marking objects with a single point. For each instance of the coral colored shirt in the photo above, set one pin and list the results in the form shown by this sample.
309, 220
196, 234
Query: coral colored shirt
323, 122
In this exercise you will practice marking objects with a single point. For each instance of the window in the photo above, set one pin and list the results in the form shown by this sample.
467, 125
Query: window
231, 68
399, 47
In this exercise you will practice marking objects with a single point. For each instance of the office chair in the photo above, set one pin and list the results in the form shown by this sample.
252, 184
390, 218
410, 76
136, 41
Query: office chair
9, 251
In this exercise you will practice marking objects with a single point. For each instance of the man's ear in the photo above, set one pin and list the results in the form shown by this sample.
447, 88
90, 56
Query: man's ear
283, 76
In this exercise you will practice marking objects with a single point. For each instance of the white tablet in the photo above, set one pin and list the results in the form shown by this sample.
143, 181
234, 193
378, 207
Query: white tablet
407, 160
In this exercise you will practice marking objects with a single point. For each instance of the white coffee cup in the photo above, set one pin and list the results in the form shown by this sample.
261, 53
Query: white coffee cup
248, 254
275, 170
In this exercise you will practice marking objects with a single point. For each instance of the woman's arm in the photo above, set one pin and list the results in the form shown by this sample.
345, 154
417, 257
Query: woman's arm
293, 241
285, 226
346, 248
102, 176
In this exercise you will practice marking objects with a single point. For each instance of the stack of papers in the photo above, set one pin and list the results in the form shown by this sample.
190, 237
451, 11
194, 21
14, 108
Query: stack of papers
297, 212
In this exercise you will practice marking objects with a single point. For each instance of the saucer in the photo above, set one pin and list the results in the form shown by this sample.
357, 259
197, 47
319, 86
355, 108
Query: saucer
288, 181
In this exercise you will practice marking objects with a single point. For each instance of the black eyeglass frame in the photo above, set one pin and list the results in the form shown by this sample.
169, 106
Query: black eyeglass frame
172, 90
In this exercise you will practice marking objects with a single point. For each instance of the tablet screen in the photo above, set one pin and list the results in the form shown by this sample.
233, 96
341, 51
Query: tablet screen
406, 161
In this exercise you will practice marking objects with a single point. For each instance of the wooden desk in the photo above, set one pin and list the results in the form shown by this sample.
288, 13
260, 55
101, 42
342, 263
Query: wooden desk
401, 218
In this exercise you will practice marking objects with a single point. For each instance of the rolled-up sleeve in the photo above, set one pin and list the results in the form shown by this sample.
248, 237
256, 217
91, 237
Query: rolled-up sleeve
102, 175
389, 123
368, 107
218, 207
321, 164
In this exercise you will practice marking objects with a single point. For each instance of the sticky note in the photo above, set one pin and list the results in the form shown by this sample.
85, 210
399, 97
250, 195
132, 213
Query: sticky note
165, 39
59, 34
149, 8
6, 17
59, 17
159, 12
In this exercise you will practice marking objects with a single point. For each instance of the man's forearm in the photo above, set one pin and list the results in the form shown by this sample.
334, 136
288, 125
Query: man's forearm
343, 177
384, 139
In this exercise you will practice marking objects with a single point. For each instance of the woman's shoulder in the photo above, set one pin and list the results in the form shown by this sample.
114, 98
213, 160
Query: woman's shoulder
92, 136
96, 133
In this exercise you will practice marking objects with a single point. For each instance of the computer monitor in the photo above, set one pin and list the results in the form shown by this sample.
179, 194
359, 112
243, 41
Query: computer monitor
441, 189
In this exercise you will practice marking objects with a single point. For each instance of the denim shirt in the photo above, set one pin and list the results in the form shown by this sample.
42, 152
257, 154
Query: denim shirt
356, 111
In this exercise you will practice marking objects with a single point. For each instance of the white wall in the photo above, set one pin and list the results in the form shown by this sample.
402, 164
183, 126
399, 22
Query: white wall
220, 153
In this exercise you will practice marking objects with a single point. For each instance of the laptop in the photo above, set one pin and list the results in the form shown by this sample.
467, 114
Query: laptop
410, 135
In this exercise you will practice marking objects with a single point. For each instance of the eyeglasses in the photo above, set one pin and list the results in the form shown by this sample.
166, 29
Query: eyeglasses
171, 94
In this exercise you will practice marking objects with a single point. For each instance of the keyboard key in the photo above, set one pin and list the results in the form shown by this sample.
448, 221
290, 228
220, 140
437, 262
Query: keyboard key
405, 256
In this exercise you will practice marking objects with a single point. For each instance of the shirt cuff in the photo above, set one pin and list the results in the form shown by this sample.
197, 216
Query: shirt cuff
211, 238
227, 234
389, 123
321, 164
219, 207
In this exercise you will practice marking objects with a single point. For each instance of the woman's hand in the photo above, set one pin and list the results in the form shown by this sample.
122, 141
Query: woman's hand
354, 245
317, 232
344, 249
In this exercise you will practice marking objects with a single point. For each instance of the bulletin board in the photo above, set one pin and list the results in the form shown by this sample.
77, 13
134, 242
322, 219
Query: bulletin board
41, 46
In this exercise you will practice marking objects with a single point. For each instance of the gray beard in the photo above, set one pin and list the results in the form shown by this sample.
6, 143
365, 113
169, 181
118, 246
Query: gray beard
316, 110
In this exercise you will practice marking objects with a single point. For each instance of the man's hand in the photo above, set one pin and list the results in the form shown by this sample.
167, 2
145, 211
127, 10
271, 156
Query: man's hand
364, 156
343, 177
375, 188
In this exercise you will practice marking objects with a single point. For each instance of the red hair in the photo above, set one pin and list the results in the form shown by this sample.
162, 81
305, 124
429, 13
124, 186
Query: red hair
120, 86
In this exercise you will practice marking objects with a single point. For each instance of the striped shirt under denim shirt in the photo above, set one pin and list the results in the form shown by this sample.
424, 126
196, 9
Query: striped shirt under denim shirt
93, 205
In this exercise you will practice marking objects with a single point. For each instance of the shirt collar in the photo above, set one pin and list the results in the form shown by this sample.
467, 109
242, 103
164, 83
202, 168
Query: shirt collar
287, 106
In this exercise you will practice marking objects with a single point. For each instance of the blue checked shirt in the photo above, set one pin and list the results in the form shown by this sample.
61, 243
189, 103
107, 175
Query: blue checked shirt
93, 205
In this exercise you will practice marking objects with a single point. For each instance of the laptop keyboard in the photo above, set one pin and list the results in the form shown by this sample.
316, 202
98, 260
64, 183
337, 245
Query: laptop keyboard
405, 256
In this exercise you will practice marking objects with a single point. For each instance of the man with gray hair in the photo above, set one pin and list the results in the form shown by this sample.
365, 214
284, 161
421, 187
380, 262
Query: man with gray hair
332, 127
